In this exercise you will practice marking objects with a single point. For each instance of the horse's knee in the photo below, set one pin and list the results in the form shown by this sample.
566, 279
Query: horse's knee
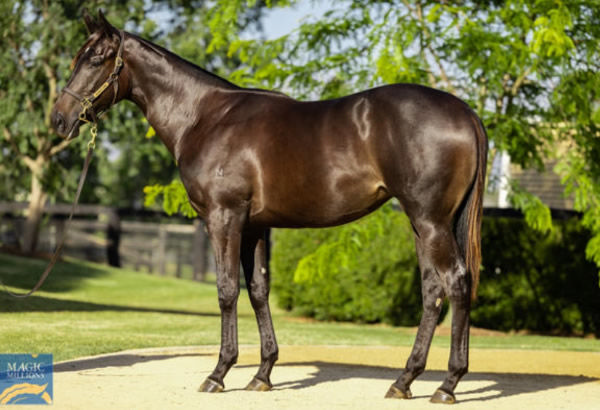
259, 294
228, 296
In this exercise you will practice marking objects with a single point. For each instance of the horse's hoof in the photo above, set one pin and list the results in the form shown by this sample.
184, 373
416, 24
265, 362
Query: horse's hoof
258, 385
443, 397
396, 393
211, 386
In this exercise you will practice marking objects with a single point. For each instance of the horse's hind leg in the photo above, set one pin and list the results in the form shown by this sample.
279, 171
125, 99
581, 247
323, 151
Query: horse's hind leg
458, 288
432, 294
443, 273
255, 249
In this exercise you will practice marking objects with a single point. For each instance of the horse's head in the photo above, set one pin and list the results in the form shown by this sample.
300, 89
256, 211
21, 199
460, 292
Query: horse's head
94, 83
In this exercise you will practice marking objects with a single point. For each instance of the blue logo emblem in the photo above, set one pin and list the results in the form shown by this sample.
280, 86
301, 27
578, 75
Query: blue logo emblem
26, 379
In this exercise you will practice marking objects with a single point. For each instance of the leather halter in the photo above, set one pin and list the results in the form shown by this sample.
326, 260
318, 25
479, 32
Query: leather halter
87, 103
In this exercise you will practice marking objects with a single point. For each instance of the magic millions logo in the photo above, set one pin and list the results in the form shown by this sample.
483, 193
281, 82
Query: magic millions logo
26, 379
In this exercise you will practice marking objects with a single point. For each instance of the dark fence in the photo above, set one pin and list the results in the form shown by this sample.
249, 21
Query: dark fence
138, 239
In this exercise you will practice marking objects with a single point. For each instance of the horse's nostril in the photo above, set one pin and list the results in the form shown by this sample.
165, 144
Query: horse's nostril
58, 121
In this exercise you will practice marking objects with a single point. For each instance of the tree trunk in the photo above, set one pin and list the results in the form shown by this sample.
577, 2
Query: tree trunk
35, 212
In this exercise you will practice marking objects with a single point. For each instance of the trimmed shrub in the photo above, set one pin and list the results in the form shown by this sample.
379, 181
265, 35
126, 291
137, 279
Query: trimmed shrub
368, 272
365, 271
539, 282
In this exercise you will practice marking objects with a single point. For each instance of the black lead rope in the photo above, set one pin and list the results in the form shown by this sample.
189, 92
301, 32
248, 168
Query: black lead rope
57, 252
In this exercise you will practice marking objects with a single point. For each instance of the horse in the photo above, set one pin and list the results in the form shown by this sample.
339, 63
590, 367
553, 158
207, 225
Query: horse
252, 160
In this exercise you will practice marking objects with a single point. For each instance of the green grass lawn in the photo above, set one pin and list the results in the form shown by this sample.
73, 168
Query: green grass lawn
85, 309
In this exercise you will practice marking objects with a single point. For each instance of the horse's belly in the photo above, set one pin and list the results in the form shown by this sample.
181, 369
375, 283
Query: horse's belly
319, 207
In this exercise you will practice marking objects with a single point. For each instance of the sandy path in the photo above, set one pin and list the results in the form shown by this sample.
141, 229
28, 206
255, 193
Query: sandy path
326, 377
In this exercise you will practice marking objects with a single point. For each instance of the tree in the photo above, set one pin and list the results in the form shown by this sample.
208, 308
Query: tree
38, 40
530, 70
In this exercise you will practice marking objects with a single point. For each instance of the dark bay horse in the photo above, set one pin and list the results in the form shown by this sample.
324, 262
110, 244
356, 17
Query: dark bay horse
252, 159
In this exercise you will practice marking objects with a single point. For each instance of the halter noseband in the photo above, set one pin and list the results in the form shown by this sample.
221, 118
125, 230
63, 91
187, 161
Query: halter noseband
88, 102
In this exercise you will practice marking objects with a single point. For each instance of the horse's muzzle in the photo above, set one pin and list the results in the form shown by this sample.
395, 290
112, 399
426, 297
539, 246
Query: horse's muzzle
62, 127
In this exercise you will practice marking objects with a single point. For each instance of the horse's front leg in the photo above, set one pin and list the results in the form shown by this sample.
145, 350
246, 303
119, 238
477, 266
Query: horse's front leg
255, 261
225, 230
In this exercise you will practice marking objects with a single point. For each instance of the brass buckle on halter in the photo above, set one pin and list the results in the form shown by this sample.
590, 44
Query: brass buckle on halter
94, 132
85, 104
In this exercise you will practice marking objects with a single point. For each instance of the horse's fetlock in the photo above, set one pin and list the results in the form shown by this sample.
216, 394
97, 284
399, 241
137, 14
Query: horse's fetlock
231, 360
458, 369
417, 370
270, 355
416, 363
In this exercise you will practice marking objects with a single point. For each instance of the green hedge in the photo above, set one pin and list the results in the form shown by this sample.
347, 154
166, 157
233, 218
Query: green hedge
364, 271
368, 272
540, 282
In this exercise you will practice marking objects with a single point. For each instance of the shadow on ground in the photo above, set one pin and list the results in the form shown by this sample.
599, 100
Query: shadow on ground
24, 272
117, 360
45, 304
498, 384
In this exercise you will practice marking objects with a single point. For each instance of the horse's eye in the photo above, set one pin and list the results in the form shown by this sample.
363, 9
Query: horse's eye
96, 60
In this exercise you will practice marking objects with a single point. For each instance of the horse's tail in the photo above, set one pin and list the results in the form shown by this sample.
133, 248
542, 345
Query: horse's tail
468, 227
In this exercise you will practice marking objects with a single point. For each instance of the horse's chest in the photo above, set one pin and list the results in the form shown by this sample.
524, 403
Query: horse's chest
218, 186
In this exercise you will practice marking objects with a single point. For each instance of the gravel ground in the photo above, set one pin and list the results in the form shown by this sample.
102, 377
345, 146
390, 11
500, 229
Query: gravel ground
325, 377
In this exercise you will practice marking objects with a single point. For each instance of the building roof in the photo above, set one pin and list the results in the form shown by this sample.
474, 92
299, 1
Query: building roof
546, 185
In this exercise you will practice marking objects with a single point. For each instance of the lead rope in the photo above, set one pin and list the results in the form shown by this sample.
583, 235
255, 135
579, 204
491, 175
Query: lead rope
91, 145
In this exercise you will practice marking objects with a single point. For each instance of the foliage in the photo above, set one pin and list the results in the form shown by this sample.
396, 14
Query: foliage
580, 183
537, 214
364, 272
38, 39
175, 198
530, 70
534, 281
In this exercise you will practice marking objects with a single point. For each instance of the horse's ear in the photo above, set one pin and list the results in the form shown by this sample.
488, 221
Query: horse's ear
105, 25
89, 22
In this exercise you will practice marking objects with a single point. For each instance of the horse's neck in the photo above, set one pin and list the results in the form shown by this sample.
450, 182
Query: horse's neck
171, 92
